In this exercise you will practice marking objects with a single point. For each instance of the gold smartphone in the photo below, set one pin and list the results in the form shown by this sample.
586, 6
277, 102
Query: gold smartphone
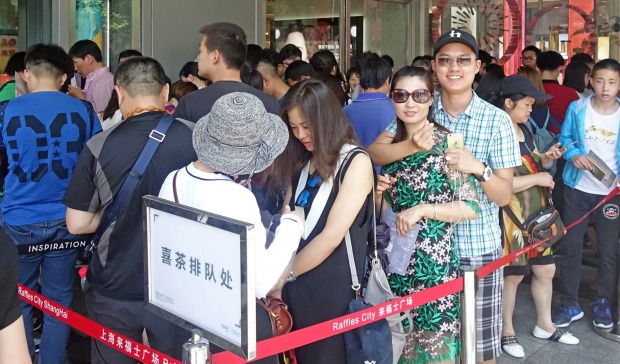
568, 145
455, 140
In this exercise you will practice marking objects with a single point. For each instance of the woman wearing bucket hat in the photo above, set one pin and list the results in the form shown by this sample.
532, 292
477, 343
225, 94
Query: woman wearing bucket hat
334, 193
239, 137
530, 184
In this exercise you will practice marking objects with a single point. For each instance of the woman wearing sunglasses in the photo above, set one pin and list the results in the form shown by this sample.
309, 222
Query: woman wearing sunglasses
426, 192
334, 194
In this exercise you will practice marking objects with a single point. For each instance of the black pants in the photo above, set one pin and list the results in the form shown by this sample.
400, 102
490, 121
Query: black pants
607, 225
129, 318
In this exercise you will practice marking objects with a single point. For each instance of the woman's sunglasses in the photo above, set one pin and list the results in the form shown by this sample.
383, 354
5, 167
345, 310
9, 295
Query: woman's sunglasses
420, 96
313, 182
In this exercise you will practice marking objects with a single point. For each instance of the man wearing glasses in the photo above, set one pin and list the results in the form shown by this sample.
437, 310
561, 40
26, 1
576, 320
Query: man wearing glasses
529, 56
491, 151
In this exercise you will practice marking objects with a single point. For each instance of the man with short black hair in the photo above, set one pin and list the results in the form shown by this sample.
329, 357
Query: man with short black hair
551, 64
88, 62
491, 151
272, 83
115, 281
220, 57
44, 132
372, 111
289, 54
298, 71
529, 56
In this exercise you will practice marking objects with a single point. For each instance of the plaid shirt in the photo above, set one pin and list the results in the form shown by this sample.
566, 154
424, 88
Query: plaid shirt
489, 134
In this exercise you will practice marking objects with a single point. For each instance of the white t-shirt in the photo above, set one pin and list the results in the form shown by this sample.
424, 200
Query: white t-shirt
601, 136
218, 194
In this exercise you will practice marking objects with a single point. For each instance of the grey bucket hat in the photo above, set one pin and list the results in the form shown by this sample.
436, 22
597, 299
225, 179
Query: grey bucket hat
239, 136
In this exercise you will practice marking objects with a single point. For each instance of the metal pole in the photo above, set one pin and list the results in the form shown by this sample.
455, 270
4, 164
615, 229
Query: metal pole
468, 315
613, 333
196, 350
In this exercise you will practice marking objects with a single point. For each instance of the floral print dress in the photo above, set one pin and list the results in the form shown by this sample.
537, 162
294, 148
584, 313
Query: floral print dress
424, 178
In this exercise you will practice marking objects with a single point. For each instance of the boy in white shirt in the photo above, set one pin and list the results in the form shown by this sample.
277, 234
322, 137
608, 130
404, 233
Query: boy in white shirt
594, 124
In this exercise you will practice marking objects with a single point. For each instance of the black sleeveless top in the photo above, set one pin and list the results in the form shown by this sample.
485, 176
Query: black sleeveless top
325, 292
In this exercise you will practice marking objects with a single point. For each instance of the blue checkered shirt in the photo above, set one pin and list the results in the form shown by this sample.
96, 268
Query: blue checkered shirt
489, 134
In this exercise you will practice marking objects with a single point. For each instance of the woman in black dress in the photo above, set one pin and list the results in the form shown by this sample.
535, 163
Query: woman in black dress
335, 196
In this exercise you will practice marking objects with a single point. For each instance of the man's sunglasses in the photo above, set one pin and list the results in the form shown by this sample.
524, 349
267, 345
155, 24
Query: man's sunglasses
420, 96
313, 182
460, 61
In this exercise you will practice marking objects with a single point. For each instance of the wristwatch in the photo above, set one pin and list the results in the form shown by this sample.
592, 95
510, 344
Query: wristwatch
291, 276
486, 173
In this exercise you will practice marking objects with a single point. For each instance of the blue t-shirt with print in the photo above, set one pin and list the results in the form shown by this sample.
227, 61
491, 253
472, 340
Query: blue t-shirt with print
43, 133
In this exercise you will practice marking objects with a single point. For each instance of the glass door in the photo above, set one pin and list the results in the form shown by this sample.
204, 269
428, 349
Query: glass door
113, 25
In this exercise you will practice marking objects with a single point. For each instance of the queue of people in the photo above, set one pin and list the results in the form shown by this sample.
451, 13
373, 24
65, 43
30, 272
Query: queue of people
455, 165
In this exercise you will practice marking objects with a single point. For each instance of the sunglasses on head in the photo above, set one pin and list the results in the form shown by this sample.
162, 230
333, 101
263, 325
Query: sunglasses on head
304, 197
448, 61
420, 96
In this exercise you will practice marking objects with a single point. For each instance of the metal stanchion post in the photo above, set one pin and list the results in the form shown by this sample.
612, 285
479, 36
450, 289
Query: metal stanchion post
613, 333
468, 315
196, 350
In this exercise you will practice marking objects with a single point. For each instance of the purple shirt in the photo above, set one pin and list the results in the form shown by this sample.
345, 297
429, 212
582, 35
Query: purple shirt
98, 88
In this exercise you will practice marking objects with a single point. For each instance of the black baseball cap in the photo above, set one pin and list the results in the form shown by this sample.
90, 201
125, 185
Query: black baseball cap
456, 36
517, 84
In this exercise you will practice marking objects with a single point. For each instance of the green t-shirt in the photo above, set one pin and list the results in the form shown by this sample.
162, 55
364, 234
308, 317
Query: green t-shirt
7, 90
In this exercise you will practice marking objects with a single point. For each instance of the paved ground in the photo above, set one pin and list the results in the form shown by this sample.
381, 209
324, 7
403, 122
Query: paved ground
592, 348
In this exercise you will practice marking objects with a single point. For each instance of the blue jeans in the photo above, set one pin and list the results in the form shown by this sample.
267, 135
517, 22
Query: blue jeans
56, 270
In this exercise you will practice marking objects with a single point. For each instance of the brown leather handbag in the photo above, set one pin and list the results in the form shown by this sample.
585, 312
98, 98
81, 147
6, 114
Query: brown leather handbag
281, 320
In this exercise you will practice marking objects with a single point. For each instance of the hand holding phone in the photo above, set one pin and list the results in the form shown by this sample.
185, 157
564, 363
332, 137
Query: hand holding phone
455, 140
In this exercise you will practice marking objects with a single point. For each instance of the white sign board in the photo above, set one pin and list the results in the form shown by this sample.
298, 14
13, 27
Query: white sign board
200, 273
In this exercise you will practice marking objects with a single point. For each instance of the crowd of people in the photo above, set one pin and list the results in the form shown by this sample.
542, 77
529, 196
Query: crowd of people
278, 141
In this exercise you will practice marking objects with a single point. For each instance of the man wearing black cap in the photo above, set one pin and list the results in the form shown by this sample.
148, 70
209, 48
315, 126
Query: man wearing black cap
491, 151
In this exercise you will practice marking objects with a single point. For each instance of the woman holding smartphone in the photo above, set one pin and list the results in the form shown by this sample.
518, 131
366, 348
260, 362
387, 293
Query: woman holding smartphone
531, 184
426, 192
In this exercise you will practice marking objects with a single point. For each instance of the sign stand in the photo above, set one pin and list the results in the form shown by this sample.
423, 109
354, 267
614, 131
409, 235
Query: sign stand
196, 350
200, 274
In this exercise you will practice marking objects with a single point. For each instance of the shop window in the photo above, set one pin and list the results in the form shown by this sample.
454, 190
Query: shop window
9, 40
113, 25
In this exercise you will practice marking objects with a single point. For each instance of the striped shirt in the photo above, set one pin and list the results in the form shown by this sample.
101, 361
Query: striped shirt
489, 134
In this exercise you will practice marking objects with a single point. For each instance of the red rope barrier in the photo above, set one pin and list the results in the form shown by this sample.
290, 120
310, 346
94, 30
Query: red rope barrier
282, 343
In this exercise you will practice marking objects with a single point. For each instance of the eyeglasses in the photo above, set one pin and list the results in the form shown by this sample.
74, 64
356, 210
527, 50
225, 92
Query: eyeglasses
460, 61
420, 96
313, 182
527, 59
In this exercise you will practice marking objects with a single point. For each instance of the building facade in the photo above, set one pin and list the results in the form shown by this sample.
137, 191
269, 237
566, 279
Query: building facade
403, 29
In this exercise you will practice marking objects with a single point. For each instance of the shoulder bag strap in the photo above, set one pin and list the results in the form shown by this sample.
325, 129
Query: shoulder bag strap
156, 137
174, 186
547, 119
513, 217
354, 279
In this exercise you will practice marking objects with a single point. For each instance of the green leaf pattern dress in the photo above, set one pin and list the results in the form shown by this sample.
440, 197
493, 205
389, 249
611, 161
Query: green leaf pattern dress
424, 178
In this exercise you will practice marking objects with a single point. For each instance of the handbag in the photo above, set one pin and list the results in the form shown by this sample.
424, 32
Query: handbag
156, 137
544, 224
377, 292
373, 343
281, 319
